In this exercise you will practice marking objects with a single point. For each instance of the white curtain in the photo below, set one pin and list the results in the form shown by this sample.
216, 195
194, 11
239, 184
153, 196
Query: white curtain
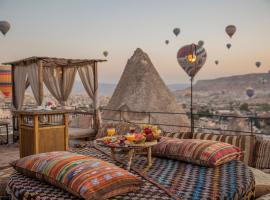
20, 76
87, 74
33, 77
59, 82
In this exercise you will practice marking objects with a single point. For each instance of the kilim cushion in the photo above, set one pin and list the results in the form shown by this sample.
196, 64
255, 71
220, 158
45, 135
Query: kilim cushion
245, 142
201, 152
180, 135
84, 176
262, 155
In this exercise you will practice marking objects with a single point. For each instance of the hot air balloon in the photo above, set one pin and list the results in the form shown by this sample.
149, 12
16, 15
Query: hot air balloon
191, 58
4, 27
105, 53
216, 62
201, 43
5, 81
230, 30
258, 64
250, 92
176, 31
228, 45
166, 41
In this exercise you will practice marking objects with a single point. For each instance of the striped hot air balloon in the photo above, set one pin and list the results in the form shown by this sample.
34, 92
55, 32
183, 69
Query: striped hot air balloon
5, 80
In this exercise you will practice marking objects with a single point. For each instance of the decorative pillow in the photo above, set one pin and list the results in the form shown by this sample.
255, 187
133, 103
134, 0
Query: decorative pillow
262, 181
245, 142
201, 152
83, 176
262, 156
179, 135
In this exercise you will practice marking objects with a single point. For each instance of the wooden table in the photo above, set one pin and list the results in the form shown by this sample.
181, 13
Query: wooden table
132, 151
5, 124
42, 131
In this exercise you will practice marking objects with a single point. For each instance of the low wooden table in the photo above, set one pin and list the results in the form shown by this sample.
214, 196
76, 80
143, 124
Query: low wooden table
132, 151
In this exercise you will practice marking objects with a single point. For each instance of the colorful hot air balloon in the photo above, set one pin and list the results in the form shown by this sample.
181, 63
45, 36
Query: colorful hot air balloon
4, 27
258, 64
105, 53
167, 42
250, 92
191, 58
5, 80
228, 45
176, 31
230, 30
201, 43
216, 62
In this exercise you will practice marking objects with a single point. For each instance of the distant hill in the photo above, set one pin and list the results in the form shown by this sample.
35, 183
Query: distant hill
239, 83
180, 86
107, 89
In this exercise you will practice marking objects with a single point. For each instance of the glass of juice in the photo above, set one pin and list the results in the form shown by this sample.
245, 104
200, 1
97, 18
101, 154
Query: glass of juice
111, 131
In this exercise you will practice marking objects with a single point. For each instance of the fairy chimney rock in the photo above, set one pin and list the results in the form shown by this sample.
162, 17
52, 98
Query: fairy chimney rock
141, 89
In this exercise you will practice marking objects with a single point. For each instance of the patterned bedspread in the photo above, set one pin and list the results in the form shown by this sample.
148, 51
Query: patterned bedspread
165, 179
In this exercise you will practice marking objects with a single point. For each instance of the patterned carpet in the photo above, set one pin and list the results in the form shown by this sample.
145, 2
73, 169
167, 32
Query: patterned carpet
166, 179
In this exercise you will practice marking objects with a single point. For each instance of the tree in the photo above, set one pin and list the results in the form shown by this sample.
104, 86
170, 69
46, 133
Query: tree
244, 107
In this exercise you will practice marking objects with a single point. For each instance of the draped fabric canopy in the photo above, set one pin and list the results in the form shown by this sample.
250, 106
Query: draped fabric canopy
20, 76
59, 82
58, 74
33, 72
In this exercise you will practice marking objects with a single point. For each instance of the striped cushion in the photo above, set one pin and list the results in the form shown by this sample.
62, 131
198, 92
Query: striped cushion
84, 176
201, 152
245, 142
262, 154
182, 135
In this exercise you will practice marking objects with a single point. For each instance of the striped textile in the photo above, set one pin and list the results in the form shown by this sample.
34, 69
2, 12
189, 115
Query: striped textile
84, 176
201, 152
233, 180
179, 135
245, 142
262, 154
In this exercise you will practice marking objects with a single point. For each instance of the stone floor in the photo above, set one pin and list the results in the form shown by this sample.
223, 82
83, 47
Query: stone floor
8, 153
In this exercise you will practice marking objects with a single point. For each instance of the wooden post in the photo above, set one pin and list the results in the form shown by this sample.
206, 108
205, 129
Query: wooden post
40, 75
20, 132
36, 133
66, 119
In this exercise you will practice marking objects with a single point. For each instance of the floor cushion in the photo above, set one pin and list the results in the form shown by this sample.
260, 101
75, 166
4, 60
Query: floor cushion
245, 142
83, 176
201, 152
262, 181
262, 155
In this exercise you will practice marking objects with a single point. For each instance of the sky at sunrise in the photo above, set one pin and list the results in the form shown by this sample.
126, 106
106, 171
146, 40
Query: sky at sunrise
85, 28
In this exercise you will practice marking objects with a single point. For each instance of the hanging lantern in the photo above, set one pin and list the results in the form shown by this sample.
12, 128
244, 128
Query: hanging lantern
191, 58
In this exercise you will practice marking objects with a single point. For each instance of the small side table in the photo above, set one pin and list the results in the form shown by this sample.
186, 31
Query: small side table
5, 124
132, 151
